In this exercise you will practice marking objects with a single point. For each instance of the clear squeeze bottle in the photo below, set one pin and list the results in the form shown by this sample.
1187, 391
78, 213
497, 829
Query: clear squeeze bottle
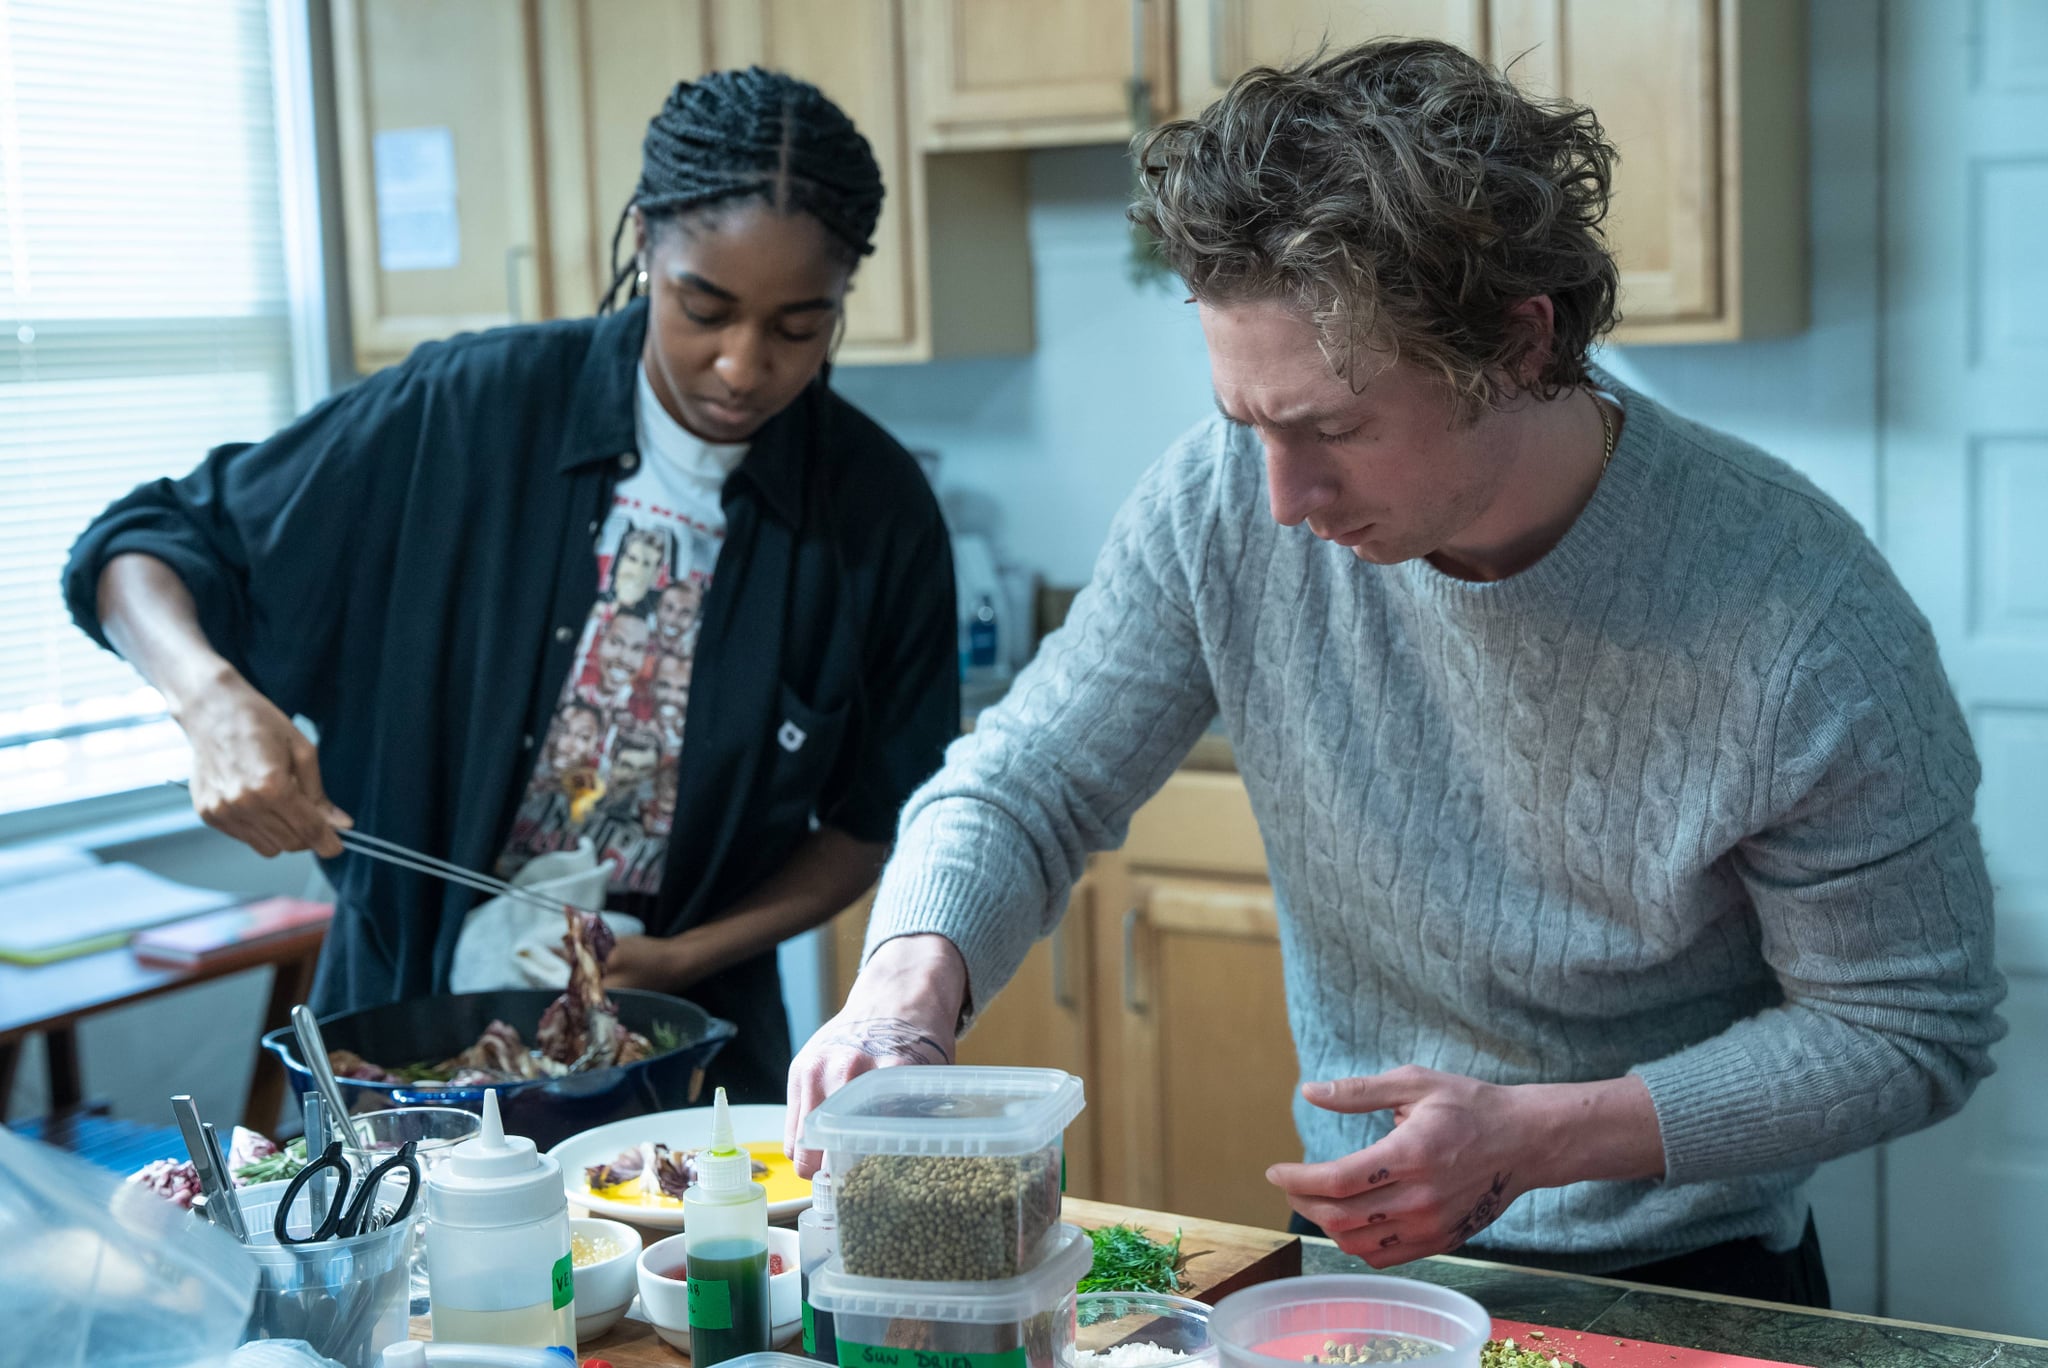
817, 1234
725, 1244
499, 1269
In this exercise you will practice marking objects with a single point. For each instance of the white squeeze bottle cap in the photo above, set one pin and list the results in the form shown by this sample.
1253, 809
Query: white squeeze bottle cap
494, 1179
724, 1169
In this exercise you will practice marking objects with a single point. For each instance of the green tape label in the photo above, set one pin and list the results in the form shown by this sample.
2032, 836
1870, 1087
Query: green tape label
710, 1304
810, 1330
563, 1278
882, 1356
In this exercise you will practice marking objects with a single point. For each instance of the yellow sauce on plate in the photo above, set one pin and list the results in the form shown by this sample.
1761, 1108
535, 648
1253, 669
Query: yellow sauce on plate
781, 1181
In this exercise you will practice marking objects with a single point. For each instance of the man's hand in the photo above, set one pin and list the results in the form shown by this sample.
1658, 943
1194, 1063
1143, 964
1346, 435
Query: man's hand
1461, 1150
903, 1009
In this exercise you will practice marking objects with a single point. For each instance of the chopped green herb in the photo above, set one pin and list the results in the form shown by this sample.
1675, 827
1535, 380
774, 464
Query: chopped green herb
273, 1168
1128, 1260
665, 1037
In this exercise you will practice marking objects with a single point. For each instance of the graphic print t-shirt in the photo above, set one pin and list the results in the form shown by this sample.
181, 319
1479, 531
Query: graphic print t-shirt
608, 767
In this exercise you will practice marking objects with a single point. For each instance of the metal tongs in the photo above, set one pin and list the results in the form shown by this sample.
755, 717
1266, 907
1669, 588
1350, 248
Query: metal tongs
404, 857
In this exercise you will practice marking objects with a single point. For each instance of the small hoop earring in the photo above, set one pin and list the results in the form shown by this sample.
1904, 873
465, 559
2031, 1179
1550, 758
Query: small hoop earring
640, 282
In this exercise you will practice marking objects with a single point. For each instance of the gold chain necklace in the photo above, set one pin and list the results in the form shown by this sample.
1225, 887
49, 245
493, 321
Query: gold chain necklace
1606, 432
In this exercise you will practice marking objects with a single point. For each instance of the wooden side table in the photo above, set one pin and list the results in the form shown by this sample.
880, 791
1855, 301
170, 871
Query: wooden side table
51, 999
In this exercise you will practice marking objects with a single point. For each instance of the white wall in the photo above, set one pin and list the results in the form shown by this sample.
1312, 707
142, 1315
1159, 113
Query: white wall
1056, 438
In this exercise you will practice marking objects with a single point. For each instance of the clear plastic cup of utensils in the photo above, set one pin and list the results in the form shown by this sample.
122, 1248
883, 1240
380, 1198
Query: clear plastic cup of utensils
434, 1131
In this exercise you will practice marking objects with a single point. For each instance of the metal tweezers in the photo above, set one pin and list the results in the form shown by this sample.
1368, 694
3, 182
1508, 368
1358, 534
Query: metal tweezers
404, 857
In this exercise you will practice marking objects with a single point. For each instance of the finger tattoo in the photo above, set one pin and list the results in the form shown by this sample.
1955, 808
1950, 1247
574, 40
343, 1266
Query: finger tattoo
1376, 1218
1389, 1241
1379, 1176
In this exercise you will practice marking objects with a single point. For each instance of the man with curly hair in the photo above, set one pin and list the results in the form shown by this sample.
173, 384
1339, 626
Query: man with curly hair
1618, 811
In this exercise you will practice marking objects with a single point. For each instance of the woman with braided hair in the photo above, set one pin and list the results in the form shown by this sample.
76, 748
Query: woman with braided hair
410, 568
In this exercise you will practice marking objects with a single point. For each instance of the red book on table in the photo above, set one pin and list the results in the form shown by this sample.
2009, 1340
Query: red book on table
199, 939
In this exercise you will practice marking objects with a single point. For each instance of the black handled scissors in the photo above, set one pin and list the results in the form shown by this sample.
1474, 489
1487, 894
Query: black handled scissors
345, 1217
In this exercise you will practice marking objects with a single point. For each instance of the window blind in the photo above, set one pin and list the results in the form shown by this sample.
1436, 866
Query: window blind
144, 317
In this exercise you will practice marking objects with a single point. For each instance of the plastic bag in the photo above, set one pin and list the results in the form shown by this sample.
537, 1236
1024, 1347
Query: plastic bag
511, 943
102, 1272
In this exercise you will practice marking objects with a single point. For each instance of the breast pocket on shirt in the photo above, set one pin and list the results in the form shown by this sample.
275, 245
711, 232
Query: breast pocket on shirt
801, 748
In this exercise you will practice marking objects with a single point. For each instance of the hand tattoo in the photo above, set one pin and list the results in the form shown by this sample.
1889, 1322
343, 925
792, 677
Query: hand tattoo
1390, 1241
1483, 1211
890, 1038
1379, 1176
1376, 1218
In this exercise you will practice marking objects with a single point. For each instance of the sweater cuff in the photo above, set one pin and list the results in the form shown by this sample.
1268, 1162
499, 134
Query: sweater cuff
977, 913
1714, 1109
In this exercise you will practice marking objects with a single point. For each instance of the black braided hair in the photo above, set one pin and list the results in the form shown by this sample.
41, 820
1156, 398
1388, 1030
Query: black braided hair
754, 134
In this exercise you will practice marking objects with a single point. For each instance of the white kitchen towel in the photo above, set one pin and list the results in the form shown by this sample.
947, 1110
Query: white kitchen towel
510, 943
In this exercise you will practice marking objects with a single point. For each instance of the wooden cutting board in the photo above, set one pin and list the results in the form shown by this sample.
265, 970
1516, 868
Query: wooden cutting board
1595, 1350
1218, 1259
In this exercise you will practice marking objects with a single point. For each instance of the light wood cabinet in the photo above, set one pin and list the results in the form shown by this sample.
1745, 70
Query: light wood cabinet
548, 102
1195, 1064
1705, 101
1218, 40
438, 103
606, 67
1036, 73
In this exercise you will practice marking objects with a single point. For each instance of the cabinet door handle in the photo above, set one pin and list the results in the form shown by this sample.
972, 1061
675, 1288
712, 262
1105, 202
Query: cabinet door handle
512, 292
1062, 991
1131, 919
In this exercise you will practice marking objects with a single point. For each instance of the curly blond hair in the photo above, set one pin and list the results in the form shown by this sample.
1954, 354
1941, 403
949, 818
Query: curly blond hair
1406, 196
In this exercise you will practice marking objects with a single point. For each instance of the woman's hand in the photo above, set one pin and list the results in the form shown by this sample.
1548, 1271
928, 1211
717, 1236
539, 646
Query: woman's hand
255, 776
660, 964
1461, 1150
904, 1009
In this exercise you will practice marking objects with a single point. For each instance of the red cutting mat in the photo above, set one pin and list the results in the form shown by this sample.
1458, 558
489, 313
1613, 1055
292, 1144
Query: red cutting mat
1596, 1350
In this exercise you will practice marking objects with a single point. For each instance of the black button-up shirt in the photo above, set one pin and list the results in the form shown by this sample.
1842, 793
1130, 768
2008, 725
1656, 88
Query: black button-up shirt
407, 566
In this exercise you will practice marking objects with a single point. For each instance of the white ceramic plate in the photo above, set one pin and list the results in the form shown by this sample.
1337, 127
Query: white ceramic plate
689, 1128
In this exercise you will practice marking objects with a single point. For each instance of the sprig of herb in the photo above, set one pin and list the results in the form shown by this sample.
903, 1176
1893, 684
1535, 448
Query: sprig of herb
272, 1168
1128, 1260
665, 1036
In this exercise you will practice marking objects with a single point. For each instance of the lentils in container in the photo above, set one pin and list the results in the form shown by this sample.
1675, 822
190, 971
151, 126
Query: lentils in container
946, 1173
1021, 1322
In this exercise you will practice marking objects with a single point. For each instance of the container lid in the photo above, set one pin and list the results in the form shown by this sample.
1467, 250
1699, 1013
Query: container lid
494, 1179
769, 1359
723, 1169
822, 1202
946, 1109
976, 1303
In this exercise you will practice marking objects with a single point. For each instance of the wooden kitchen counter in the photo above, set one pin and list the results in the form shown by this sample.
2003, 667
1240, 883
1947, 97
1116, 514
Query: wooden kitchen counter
1224, 1258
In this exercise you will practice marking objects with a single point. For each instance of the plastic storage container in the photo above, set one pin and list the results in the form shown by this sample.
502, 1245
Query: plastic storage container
349, 1299
1346, 1318
945, 1173
1021, 1322
1137, 1322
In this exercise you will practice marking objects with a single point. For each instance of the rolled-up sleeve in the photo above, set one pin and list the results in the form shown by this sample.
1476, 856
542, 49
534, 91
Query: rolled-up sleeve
1874, 908
262, 534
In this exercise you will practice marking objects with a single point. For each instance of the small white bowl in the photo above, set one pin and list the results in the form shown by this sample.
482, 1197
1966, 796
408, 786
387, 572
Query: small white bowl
604, 1289
665, 1302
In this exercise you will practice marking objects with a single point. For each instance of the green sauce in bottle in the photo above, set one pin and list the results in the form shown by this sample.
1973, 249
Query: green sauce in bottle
725, 1240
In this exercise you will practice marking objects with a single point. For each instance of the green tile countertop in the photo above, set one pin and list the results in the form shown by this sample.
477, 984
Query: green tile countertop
1728, 1325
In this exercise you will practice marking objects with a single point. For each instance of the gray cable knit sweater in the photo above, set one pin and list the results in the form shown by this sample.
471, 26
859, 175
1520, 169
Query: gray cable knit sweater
1690, 797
